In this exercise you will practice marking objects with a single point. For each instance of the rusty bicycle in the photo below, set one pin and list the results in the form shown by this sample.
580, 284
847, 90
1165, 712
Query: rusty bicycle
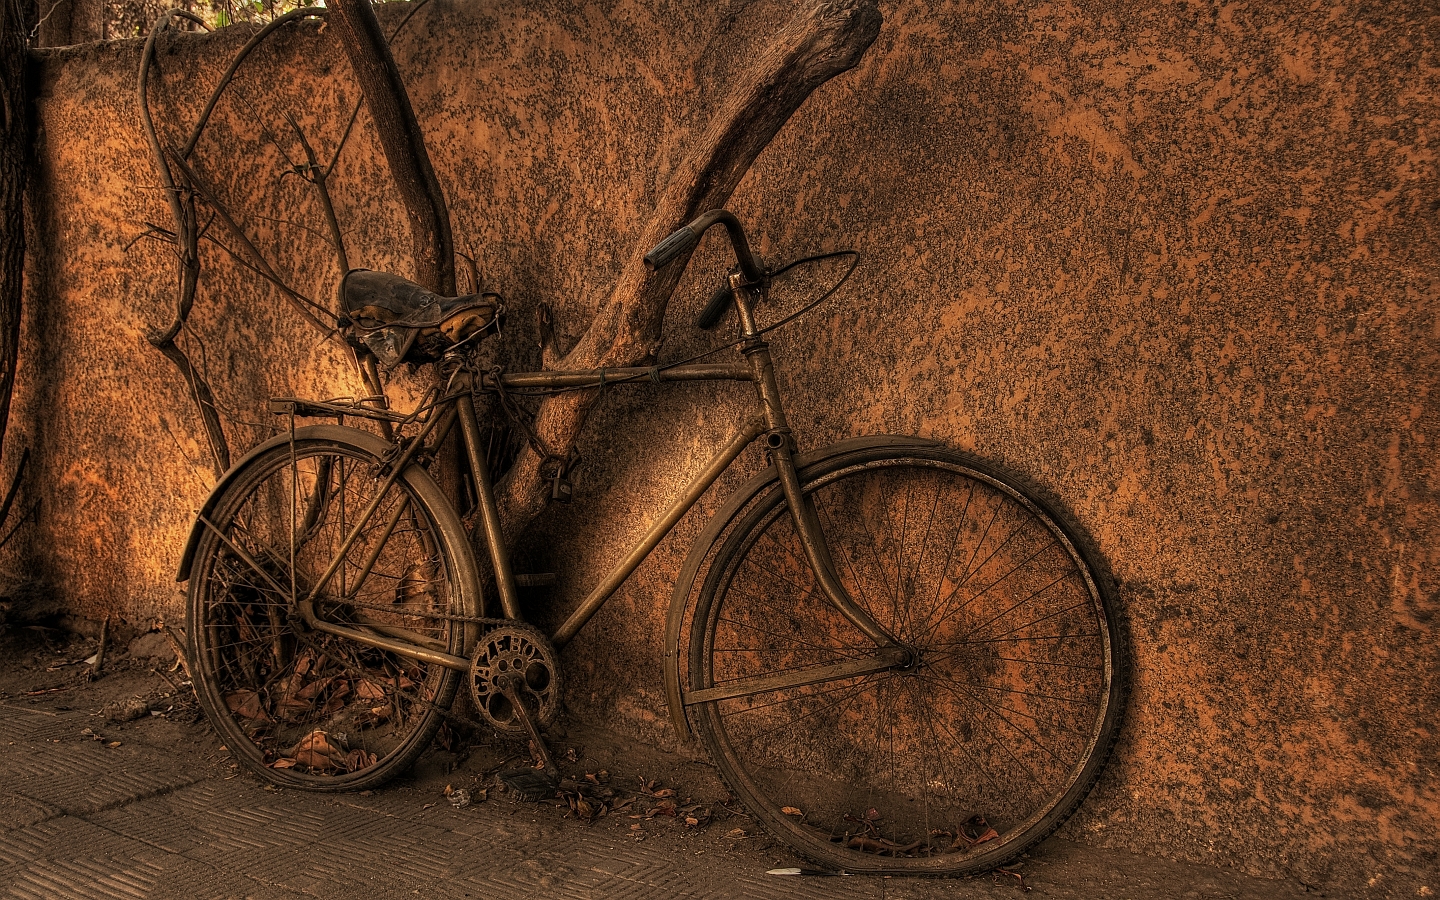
898, 656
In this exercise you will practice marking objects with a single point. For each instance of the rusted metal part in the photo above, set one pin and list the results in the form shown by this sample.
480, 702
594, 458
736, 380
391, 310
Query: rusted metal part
360, 577
514, 648
294, 406
401, 460
404, 648
511, 685
246, 557
884, 658
602, 592
622, 375
683, 241
370, 374
781, 447
494, 534
404, 634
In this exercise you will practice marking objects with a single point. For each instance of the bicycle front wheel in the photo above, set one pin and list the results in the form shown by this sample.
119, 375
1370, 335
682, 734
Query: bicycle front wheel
956, 763
299, 707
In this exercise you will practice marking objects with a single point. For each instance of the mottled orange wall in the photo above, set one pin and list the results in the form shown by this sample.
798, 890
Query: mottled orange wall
1175, 261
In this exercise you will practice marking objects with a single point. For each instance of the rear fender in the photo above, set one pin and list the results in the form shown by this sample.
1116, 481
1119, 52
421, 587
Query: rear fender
364, 439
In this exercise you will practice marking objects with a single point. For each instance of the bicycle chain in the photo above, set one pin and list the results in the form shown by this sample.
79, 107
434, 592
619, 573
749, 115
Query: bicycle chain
448, 617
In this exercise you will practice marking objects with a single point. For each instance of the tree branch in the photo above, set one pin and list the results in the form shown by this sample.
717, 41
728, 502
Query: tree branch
401, 139
16, 134
316, 175
822, 40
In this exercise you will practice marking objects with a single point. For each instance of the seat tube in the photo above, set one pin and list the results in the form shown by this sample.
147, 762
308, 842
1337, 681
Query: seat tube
494, 534
780, 442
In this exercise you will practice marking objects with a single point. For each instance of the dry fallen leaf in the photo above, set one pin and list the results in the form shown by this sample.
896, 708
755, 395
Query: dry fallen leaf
663, 808
316, 751
791, 811
369, 690
246, 705
880, 845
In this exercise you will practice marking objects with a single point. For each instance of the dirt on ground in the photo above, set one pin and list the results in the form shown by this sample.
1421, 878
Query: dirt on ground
671, 802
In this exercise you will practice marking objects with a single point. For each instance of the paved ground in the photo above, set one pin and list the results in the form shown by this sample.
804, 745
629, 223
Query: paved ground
154, 808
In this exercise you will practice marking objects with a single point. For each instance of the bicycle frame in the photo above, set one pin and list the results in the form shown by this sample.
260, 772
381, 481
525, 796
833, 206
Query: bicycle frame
766, 419
967, 718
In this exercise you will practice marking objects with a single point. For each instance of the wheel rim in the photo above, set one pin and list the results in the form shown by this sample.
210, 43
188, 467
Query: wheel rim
999, 725
301, 707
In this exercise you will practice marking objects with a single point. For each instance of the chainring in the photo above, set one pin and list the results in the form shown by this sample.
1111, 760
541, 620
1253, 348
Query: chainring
510, 649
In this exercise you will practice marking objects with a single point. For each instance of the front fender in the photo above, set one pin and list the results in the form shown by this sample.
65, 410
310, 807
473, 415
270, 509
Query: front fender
342, 433
734, 505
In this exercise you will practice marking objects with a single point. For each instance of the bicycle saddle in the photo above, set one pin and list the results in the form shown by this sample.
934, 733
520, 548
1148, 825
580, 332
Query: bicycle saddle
399, 320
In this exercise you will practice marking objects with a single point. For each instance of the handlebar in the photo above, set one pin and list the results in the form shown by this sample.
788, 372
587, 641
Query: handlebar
685, 239
710, 316
688, 236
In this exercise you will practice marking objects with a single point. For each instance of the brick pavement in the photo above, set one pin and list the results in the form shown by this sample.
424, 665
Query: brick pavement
81, 819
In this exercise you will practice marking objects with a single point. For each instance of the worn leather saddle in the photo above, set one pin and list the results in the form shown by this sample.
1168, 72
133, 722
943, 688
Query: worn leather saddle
400, 321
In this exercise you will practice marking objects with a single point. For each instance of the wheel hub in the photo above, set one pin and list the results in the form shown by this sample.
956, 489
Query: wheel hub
912, 660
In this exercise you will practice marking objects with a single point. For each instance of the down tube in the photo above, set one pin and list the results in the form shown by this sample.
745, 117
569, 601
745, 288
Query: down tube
742, 438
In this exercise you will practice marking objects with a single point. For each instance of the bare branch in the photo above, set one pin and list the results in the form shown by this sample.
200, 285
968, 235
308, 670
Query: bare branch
295, 298
415, 6
205, 403
309, 11
316, 175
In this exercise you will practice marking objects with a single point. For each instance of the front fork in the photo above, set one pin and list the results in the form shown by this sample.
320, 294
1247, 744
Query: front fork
781, 445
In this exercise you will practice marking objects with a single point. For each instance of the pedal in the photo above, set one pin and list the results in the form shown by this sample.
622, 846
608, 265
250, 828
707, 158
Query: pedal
530, 785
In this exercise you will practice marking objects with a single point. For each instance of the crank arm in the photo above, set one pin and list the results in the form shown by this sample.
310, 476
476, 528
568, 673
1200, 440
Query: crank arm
507, 685
884, 659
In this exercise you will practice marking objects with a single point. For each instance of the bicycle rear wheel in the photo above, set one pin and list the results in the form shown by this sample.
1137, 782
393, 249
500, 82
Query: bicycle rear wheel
302, 708
958, 763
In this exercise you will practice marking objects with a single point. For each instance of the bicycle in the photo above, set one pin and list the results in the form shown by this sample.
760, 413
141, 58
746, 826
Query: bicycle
899, 659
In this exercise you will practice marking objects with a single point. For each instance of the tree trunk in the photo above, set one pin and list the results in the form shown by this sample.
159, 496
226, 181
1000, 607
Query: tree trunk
822, 40
15, 128
375, 71
65, 22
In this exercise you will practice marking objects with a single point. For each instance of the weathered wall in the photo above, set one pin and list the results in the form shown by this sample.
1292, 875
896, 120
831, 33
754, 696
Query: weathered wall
1176, 261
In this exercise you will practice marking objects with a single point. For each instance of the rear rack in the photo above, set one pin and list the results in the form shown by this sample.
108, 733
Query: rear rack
294, 406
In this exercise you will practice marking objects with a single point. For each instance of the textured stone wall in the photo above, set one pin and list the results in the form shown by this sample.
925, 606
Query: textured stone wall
1175, 261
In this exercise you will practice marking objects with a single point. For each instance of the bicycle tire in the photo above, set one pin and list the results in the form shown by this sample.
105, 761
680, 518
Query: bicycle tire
301, 708
1002, 726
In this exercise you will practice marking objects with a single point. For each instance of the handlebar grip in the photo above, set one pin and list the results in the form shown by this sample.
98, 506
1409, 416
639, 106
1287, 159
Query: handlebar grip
710, 316
673, 246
